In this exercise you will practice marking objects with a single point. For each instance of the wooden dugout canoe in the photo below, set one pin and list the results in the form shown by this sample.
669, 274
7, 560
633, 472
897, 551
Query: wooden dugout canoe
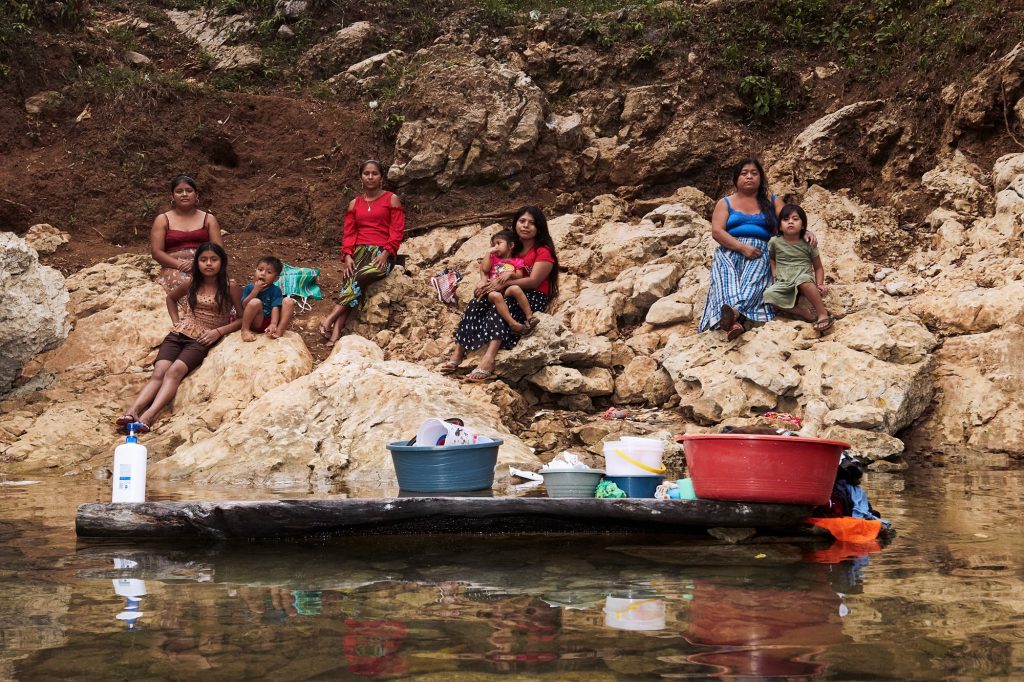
280, 519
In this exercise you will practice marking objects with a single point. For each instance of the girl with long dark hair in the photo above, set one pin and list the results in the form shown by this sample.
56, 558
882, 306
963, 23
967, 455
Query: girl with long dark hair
205, 321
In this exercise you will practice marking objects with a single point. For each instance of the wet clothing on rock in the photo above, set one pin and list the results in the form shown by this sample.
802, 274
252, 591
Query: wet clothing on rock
793, 267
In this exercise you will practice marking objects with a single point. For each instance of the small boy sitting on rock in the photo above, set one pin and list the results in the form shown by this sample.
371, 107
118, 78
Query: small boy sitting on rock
264, 308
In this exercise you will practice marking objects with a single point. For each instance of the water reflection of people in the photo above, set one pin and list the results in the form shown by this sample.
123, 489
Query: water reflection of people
525, 631
374, 647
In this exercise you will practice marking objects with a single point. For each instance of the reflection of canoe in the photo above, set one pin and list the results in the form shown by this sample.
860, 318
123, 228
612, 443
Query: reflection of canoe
418, 515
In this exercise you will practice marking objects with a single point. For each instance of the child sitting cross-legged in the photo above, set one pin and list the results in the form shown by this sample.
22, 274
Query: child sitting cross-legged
265, 309
500, 264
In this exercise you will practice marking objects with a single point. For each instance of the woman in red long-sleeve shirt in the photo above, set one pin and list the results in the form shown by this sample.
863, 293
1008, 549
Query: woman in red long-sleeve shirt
374, 228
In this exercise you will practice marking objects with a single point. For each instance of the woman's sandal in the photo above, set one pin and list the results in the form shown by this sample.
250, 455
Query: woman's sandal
728, 318
735, 331
531, 325
142, 427
480, 375
824, 324
125, 420
448, 367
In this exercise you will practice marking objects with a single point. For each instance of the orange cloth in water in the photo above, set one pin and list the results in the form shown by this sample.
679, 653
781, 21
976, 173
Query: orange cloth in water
849, 529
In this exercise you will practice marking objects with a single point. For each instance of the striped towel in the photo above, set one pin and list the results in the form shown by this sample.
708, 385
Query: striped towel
300, 283
740, 283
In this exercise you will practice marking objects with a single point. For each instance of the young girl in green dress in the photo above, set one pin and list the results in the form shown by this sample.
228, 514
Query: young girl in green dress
796, 269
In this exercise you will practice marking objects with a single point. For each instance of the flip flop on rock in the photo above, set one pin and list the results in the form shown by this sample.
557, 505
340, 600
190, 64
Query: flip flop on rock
325, 333
735, 331
142, 427
824, 324
447, 367
480, 375
127, 419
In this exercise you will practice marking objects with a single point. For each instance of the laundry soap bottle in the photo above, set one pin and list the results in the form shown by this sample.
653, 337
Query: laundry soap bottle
129, 470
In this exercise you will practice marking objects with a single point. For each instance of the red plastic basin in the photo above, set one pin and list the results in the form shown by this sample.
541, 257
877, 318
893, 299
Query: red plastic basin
748, 468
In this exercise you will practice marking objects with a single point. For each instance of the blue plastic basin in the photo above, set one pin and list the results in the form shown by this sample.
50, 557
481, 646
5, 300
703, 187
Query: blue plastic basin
444, 469
637, 486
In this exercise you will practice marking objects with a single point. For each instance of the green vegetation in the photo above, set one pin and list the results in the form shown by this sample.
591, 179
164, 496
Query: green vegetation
19, 17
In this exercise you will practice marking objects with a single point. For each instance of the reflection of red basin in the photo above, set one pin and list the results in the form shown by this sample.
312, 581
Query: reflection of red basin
749, 468
764, 631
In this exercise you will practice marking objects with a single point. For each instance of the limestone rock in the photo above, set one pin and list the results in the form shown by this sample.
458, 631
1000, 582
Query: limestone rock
220, 35
137, 58
955, 182
290, 9
981, 104
978, 406
327, 426
552, 344
337, 53
557, 379
870, 446
850, 234
973, 310
84, 384
691, 197
370, 65
43, 102
816, 153
426, 250
99, 287
862, 380
46, 238
670, 310
621, 246
33, 317
595, 311
468, 118
643, 381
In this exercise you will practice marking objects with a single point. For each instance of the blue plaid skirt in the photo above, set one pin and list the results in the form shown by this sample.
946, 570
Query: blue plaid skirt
738, 282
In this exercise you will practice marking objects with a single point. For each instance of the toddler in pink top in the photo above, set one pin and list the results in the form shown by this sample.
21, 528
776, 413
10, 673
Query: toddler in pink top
500, 261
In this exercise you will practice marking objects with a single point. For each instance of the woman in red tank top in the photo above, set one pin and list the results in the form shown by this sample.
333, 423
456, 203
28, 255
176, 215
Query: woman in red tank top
177, 234
373, 231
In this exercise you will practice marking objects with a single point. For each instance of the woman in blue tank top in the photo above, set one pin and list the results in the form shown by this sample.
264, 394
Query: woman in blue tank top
742, 224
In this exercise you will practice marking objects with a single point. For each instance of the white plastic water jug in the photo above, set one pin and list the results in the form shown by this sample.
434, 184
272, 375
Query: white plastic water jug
129, 470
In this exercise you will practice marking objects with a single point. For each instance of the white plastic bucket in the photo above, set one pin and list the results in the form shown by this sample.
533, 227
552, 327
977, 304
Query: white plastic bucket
433, 430
634, 457
634, 614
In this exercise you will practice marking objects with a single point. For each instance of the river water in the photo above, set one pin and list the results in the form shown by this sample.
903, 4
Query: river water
945, 600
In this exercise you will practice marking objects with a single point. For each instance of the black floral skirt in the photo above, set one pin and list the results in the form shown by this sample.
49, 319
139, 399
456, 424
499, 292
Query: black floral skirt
481, 323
